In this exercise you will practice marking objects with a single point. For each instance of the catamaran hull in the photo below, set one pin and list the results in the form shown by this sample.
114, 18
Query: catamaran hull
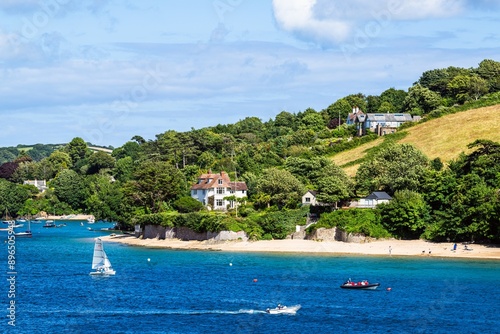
103, 273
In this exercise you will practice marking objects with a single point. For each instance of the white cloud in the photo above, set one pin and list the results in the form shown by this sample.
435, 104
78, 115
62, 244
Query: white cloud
297, 16
329, 22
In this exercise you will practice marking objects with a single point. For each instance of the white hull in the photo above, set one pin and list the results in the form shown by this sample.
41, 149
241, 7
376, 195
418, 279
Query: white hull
103, 273
284, 310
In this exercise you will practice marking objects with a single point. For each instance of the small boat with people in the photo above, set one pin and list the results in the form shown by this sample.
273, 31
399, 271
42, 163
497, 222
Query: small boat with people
282, 309
361, 285
49, 223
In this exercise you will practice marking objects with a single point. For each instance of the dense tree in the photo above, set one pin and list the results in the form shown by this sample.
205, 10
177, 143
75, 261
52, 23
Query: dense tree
77, 151
356, 100
283, 188
12, 197
421, 100
155, 184
465, 88
332, 190
372, 103
105, 198
8, 169
392, 100
129, 149
313, 121
286, 120
490, 71
406, 215
437, 80
396, 167
340, 109
99, 161
69, 187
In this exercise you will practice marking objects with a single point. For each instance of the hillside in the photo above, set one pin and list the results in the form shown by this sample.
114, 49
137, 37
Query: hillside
445, 137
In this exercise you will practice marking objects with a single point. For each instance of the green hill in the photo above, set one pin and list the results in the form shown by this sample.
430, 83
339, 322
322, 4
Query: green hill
445, 137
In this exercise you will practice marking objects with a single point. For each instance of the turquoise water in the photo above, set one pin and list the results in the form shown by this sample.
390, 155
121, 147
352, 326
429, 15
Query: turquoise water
220, 292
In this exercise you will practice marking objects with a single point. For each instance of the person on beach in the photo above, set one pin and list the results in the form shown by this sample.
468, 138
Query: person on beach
390, 250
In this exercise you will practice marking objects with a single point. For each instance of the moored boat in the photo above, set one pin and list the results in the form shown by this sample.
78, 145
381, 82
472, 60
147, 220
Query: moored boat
361, 285
49, 223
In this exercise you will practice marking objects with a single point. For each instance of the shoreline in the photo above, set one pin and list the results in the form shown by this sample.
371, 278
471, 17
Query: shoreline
414, 248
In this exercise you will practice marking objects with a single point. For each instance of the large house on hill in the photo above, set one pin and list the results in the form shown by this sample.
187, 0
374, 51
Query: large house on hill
212, 189
379, 123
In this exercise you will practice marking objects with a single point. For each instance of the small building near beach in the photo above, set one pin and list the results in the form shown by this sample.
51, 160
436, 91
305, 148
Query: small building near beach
309, 198
372, 200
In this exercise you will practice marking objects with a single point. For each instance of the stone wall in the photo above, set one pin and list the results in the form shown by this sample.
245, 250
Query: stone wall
184, 233
336, 234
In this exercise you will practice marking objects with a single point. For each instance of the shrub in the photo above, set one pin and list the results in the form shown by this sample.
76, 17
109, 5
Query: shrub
188, 204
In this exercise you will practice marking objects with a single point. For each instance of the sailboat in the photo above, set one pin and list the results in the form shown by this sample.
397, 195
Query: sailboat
100, 261
26, 233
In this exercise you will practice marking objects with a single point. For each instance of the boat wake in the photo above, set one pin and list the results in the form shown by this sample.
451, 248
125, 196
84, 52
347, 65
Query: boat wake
161, 312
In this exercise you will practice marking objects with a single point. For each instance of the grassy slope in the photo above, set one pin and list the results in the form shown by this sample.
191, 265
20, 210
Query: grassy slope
444, 137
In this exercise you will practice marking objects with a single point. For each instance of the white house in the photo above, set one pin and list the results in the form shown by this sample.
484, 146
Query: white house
309, 198
40, 184
374, 199
212, 189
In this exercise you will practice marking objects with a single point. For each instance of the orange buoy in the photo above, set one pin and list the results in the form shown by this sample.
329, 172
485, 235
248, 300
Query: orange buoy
255, 280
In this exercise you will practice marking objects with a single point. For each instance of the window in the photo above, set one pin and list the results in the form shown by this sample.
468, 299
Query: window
218, 202
220, 190
195, 192
220, 181
308, 200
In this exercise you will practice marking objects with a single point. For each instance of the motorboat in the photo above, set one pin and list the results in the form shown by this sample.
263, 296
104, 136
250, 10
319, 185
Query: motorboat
26, 233
282, 309
361, 285
49, 223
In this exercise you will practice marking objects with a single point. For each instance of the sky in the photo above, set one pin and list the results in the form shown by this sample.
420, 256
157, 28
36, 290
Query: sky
109, 70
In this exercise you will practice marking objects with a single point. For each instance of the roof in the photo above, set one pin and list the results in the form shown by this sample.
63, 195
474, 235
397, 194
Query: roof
211, 181
313, 192
359, 115
379, 195
389, 117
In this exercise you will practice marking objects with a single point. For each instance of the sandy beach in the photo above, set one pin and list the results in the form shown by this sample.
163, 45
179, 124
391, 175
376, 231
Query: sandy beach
379, 247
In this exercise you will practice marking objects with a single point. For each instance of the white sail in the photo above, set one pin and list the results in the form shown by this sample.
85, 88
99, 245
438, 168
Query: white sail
100, 261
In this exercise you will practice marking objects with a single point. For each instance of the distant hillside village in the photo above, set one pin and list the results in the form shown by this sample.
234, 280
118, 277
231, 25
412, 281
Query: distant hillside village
292, 175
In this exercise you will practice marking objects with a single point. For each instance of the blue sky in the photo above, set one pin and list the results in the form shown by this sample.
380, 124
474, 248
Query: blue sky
107, 70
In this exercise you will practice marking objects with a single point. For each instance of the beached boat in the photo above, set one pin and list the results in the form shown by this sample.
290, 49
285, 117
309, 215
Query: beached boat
100, 261
361, 285
282, 309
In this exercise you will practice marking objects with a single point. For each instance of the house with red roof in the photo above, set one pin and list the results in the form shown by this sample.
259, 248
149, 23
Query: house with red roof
213, 190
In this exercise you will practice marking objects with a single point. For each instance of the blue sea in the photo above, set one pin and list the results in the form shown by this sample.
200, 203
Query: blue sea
174, 291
